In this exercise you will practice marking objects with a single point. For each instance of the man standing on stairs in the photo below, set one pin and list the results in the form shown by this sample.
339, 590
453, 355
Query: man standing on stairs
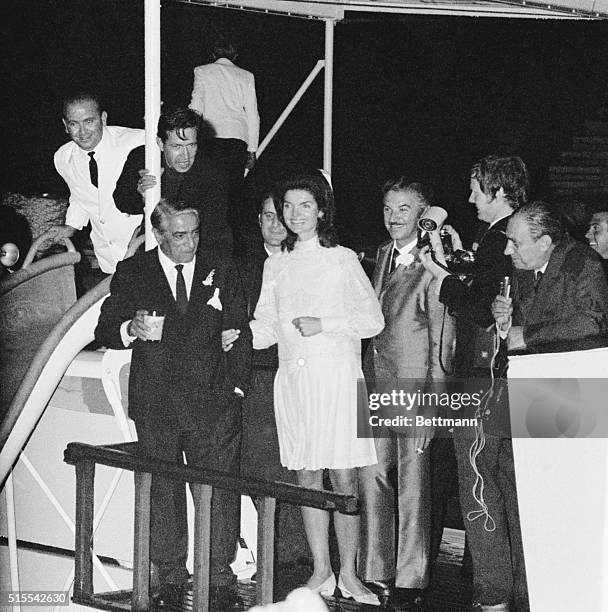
224, 95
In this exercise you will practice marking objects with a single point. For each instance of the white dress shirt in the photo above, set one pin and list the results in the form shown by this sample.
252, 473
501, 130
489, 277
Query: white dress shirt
404, 250
168, 267
224, 95
111, 229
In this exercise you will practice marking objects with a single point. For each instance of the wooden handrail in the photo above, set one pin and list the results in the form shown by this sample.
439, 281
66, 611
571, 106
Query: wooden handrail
126, 456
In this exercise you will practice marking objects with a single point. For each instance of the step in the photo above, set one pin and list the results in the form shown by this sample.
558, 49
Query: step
596, 128
579, 192
576, 169
590, 143
577, 186
585, 158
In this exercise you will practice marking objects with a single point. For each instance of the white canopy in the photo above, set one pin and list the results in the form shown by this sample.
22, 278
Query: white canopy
335, 9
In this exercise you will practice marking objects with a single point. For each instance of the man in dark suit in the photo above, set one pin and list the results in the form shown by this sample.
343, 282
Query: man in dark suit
189, 175
395, 550
559, 297
499, 185
183, 391
260, 445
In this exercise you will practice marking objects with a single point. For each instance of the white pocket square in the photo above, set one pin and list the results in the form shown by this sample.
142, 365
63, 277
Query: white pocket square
214, 300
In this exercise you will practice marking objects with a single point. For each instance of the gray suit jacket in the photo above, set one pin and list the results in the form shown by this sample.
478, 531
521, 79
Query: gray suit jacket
417, 325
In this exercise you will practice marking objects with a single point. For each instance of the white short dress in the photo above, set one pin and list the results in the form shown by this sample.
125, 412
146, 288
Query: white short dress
315, 389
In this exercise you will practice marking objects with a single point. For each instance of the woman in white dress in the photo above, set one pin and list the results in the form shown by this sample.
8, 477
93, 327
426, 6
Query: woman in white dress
317, 303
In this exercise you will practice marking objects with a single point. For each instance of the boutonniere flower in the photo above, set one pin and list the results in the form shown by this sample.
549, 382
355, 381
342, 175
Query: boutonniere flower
404, 259
209, 280
214, 300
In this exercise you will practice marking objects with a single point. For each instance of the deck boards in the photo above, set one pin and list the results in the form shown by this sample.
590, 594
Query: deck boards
448, 592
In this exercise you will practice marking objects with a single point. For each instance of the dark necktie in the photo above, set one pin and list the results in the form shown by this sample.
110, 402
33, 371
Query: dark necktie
181, 297
393, 260
537, 279
93, 173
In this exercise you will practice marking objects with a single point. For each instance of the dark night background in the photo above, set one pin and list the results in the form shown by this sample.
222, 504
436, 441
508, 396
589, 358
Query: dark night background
419, 96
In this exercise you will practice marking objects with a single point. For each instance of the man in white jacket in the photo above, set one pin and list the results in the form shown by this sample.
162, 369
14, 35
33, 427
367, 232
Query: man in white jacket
90, 164
224, 95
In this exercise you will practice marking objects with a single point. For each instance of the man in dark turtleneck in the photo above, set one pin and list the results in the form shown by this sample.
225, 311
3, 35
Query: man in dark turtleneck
189, 175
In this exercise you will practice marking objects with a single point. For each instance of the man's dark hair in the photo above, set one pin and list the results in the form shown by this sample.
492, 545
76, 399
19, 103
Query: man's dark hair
178, 120
424, 192
81, 96
598, 204
507, 172
270, 193
318, 187
577, 217
223, 46
543, 219
166, 208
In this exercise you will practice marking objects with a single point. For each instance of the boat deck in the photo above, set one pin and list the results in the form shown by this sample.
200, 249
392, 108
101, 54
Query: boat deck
448, 592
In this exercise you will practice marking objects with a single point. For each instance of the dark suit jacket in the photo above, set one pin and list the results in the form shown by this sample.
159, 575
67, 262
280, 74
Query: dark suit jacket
204, 187
185, 379
471, 303
250, 267
569, 310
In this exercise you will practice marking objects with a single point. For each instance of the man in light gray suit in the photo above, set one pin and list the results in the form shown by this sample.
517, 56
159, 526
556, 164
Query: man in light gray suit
407, 348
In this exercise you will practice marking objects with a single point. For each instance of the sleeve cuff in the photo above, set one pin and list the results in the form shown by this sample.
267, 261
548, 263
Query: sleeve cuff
503, 335
124, 334
334, 325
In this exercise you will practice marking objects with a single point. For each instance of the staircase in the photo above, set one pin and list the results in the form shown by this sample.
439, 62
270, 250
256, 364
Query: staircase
583, 172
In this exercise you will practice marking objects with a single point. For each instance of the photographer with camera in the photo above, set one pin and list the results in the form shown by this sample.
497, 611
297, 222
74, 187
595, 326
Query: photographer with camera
499, 186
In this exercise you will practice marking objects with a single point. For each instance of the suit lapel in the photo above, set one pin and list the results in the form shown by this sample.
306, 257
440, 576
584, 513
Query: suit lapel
381, 269
158, 283
550, 283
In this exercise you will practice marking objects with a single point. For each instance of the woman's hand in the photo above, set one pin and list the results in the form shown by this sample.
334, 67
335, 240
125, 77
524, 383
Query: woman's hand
229, 337
308, 326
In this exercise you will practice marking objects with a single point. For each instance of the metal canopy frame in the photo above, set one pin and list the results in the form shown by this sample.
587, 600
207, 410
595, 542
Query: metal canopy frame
335, 9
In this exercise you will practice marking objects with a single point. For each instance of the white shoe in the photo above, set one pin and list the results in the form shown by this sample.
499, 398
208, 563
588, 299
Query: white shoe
367, 597
327, 588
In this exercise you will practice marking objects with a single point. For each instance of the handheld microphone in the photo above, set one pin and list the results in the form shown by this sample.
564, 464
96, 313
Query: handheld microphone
505, 287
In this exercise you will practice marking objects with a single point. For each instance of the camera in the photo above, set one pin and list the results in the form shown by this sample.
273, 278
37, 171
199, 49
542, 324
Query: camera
458, 258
